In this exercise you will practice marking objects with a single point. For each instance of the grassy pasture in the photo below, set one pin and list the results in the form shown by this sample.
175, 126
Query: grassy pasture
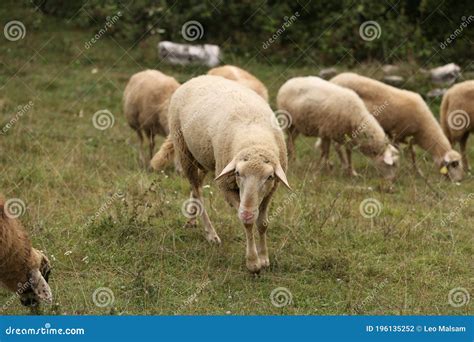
330, 258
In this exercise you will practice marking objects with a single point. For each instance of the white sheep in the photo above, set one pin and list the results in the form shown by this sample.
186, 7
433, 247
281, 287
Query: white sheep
457, 116
404, 115
23, 269
145, 104
220, 126
333, 113
241, 76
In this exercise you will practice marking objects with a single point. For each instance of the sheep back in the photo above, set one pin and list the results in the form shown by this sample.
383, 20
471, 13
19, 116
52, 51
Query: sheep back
457, 110
320, 108
241, 76
146, 99
215, 118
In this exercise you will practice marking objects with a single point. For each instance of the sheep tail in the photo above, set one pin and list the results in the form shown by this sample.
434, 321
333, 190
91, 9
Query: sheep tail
163, 156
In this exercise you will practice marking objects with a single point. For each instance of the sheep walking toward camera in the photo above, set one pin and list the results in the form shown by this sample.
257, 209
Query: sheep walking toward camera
333, 113
145, 104
241, 76
406, 118
23, 269
457, 116
220, 126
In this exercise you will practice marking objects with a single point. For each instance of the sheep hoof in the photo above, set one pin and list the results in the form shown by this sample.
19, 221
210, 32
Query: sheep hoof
254, 266
352, 173
213, 238
264, 261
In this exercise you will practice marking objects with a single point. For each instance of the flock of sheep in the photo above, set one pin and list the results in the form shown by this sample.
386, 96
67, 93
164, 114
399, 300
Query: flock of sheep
222, 123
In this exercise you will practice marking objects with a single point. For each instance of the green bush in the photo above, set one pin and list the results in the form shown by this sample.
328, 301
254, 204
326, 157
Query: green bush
321, 32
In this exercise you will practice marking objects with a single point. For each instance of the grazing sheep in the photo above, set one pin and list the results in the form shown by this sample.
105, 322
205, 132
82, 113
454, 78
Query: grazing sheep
145, 104
320, 108
220, 126
457, 116
404, 115
241, 76
23, 269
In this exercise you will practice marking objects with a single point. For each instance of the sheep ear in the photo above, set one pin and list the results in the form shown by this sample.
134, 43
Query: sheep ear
229, 168
281, 176
388, 157
40, 287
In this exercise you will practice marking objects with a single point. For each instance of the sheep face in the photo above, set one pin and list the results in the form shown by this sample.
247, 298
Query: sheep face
451, 166
388, 162
256, 175
34, 287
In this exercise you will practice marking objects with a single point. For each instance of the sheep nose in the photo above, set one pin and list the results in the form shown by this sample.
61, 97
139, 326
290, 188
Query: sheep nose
246, 215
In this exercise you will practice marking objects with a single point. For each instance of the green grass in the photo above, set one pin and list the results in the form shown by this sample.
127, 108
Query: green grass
331, 258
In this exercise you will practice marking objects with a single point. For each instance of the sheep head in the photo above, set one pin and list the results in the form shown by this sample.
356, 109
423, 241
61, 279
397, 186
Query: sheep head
387, 163
451, 166
256, 172
34, 287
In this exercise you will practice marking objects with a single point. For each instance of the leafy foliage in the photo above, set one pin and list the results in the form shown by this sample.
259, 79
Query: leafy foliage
327, 32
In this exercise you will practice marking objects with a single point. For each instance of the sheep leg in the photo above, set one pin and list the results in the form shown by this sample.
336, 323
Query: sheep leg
411, 149
262, 225
196, 194
142, 159
325, 147
350, 170
251, 255
177, 165
341, 155
462, 145
290, 142
151, 145
196, 178
191, 223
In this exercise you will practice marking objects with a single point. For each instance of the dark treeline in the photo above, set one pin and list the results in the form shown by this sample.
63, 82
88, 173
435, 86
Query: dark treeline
423, 31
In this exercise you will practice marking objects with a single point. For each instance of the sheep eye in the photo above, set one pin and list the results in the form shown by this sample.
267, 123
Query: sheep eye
454, 164
237, 174
270, 177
